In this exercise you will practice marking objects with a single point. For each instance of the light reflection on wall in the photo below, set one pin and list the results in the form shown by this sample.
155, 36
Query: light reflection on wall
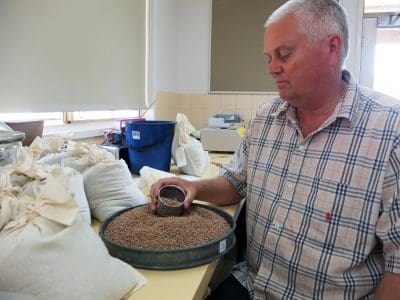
387, 65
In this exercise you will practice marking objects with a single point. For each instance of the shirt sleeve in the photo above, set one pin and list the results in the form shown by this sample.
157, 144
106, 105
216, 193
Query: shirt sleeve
236, 170
388, 224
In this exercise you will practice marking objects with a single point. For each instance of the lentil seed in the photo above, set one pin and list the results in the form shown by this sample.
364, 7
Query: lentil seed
140, 228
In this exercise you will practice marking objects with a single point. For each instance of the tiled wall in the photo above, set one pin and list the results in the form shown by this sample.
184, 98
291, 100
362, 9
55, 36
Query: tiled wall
199, 107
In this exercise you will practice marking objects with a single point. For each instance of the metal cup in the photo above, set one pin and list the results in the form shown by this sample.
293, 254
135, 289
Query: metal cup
170, 201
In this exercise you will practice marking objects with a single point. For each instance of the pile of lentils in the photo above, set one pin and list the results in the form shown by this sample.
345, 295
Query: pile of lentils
140, 228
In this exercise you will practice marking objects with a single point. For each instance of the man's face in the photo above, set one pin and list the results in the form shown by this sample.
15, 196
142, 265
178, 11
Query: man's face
296, 65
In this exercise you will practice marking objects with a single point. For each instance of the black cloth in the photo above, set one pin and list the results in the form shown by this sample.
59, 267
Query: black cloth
229, 289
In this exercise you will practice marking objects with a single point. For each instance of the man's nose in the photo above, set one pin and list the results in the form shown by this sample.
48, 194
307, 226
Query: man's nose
274, 67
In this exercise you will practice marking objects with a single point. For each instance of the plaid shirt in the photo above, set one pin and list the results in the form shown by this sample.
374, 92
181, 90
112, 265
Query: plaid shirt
323, 212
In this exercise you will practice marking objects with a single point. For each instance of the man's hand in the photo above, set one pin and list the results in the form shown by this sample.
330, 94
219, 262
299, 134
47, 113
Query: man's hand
189, 188
217, 190
389, 288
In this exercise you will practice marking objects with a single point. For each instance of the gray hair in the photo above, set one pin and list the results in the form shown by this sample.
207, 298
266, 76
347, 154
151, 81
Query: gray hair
318, 19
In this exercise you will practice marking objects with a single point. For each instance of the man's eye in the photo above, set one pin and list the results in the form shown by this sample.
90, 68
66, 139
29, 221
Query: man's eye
285, 57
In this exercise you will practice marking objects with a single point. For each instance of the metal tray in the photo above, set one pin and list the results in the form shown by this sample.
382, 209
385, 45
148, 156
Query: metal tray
171, 259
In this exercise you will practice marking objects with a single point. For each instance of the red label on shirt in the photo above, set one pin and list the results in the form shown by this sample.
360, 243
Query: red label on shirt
328, 216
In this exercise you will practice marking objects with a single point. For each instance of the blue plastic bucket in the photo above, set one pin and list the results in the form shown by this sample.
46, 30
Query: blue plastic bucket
149, 144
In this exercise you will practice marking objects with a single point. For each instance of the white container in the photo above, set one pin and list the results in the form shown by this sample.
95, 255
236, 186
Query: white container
10, 144
222, 140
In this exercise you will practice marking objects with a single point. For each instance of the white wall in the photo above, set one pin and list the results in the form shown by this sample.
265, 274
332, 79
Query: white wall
194, 46
182, 44
355, 9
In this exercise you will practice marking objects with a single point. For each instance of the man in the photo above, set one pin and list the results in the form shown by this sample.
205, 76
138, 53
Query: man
319, 168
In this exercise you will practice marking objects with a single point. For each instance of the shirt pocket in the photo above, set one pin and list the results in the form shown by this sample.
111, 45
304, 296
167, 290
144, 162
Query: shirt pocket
332, 214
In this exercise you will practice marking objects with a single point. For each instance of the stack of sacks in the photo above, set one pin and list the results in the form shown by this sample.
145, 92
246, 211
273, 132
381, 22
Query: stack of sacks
27, 169
47, 250
187, 152
108, 183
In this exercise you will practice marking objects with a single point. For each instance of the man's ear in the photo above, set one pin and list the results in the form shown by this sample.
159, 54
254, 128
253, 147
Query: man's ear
335, 48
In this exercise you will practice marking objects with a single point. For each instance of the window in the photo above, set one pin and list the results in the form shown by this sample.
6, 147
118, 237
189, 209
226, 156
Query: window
381, 46
102, 115
54, 118
97, 62
387, 62
381, 6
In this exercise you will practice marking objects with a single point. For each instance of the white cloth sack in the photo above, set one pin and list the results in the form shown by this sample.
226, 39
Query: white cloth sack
49, 261
197, 160
187, 152
26, 168
81, 156
49, 149
53, 158
10, 206
77, 188
27, 171
49, 252
74, 185
109, 187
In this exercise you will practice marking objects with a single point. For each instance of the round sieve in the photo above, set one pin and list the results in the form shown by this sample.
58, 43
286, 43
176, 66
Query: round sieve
171, 259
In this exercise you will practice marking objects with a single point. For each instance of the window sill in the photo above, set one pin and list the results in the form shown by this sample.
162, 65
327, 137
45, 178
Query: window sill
80, 130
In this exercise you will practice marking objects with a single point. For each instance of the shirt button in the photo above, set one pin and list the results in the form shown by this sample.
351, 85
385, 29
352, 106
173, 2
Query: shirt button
277, 226
290, 185
301, 148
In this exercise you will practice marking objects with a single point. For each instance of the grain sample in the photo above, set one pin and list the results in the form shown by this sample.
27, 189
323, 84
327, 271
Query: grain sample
171, 202
140, 228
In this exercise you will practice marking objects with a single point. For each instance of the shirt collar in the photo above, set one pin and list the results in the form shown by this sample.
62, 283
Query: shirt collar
347, 106
283, 107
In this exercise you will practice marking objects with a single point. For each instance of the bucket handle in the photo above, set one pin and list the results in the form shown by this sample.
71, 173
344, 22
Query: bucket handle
144, 148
